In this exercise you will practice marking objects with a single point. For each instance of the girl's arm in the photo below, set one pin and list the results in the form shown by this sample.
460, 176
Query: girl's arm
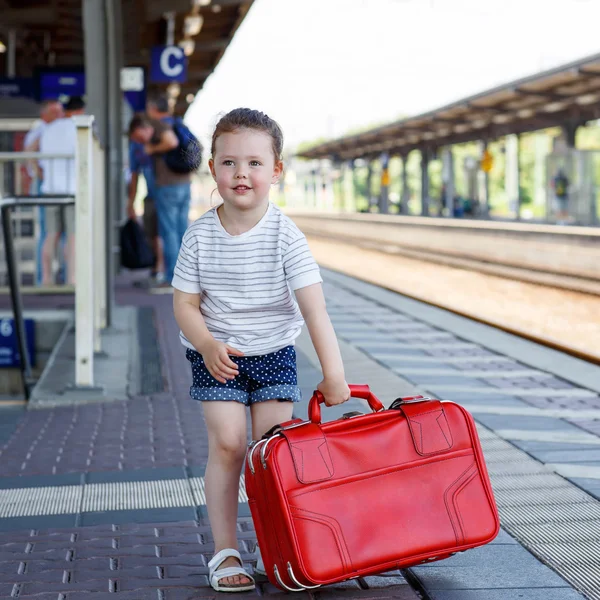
215, 354
312, 306
190, 320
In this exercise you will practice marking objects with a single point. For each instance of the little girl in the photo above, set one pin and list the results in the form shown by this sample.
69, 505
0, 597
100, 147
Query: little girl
237, 267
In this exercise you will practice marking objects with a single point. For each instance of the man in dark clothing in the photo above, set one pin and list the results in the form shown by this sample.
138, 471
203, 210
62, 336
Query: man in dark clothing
172, 190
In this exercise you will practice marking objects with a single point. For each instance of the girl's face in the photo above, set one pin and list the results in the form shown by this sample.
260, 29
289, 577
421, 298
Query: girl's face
244, 168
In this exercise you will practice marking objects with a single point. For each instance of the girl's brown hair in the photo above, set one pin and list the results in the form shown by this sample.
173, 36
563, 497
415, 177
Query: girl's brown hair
246, 118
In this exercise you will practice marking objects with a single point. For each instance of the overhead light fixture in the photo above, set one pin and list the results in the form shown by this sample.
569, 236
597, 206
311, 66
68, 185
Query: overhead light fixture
587, 99
173, 90
192, 24
187, 46
2, 48
199, 3
190, 98
525, 113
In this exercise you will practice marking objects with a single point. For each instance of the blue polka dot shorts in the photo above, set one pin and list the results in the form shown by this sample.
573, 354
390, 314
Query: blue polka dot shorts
268, 377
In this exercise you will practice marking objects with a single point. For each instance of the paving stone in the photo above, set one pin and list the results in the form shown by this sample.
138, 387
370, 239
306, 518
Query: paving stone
141, 594
49, 596
523, 422
40, 480
504, 538
191, 559
349, 586
531, 446
591, 486
400, 592
54, 576
491, 399
26, 523
374, 582
582, 456
489, 567
174, 550
508, 594
136, 474
108, 551
95, 585
130, 583
150, 515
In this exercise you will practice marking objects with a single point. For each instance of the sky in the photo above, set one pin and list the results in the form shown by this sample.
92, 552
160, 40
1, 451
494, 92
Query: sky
323, 67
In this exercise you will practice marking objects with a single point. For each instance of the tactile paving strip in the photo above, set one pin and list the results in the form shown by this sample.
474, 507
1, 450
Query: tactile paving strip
136, 494
122, 495
26, 502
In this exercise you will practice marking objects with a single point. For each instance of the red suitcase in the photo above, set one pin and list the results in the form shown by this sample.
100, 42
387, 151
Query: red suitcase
368, 493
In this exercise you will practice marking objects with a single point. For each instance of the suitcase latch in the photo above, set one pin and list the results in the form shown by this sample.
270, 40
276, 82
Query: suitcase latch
354, 413
409, 400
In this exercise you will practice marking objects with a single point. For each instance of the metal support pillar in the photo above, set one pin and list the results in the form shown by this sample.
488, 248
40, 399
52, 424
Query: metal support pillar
95, 27
425, 156
369, 184
448, 180
384, 194
518, 173
569, 131
405, 192
11, 60
103, 52
485, 205
170, 18
116, 187
350, 186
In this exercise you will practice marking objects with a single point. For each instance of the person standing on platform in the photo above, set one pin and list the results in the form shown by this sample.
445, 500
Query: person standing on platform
560, 183
233, 301
60, 137
140, 162
49, 112
172, 190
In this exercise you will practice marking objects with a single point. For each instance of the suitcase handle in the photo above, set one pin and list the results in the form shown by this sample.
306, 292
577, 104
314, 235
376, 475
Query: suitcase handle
356, 391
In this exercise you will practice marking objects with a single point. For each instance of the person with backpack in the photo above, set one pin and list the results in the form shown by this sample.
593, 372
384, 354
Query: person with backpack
560, 183
175, 154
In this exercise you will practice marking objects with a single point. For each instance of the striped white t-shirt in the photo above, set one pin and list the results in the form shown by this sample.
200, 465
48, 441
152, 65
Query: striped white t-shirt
246, 280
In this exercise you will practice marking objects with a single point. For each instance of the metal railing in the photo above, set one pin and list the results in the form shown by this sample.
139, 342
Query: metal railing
90, 251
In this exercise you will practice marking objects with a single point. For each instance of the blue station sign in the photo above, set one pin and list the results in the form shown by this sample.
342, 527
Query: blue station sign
55, 83
17, 87
9, 349
168, 64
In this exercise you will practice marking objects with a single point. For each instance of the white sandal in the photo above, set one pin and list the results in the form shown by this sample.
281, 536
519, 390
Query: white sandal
215, 574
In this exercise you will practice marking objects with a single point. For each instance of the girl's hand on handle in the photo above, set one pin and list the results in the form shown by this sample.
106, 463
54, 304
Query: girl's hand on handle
335, 391
217, 361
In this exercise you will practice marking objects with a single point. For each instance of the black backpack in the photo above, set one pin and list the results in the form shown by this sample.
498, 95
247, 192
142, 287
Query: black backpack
136, 253
187, 157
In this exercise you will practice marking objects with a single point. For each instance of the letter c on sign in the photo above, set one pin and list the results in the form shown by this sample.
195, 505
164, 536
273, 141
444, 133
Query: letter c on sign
165, 61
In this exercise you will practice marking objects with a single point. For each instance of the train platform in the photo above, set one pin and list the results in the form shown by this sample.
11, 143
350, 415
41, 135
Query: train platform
102, 493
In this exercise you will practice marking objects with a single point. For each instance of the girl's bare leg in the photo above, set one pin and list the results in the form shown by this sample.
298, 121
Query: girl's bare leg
226, 424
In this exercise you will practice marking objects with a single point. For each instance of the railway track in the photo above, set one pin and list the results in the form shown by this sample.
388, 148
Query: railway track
585, 285
539, 307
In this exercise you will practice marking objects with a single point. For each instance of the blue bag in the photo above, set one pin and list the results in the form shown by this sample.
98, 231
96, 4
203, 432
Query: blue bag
187, 157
